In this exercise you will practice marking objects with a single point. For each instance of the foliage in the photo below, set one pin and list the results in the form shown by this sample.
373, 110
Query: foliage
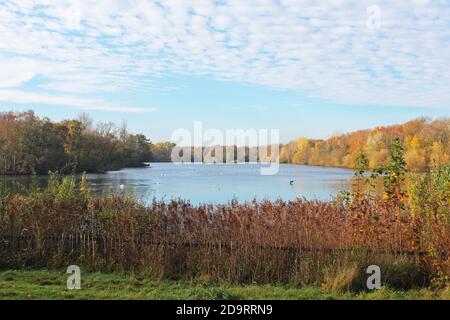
29, 144
162, 151
429, 199
395, 172
424, 207
424, 142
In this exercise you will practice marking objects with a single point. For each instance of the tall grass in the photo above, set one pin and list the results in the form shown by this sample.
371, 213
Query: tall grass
298, 242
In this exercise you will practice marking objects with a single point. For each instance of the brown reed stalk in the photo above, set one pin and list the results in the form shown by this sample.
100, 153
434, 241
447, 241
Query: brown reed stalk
266, 242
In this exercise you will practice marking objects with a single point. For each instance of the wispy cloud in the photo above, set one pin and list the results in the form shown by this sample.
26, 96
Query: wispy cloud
320, 49
22, 97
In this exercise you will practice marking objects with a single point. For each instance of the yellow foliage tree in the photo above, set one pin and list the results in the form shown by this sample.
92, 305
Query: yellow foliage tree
439, 156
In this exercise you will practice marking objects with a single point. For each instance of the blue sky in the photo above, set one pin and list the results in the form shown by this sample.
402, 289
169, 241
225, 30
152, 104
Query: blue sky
308, 68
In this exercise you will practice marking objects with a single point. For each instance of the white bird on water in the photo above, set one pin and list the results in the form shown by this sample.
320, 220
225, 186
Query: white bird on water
121, 187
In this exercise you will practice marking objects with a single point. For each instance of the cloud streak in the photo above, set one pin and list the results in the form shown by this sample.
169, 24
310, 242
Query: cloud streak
22, 97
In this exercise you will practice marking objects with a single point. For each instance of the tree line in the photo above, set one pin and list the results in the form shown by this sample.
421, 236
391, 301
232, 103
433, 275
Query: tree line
426, 143
30, 144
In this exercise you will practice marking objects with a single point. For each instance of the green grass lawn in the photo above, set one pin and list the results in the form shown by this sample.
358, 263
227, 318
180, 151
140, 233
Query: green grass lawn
19, 284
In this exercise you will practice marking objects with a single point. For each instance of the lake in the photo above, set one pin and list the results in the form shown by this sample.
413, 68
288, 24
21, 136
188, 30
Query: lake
219, 183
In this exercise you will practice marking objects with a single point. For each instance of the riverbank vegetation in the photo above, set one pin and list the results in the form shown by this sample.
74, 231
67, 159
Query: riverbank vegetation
31, 144
405, 231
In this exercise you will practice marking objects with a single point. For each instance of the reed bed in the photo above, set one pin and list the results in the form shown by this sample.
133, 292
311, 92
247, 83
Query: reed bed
296, 242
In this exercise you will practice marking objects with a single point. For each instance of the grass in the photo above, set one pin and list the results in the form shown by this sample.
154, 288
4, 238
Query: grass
44, 284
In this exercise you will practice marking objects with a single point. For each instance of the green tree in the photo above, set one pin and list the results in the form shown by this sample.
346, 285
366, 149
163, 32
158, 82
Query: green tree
395, 171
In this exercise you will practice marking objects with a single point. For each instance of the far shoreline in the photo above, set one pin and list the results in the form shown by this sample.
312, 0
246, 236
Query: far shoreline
148, 165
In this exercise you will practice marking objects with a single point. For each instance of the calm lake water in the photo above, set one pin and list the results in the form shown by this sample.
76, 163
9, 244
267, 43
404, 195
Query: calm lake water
218, 183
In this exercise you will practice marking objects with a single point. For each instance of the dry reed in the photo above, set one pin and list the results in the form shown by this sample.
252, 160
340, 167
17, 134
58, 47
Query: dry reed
298, 242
